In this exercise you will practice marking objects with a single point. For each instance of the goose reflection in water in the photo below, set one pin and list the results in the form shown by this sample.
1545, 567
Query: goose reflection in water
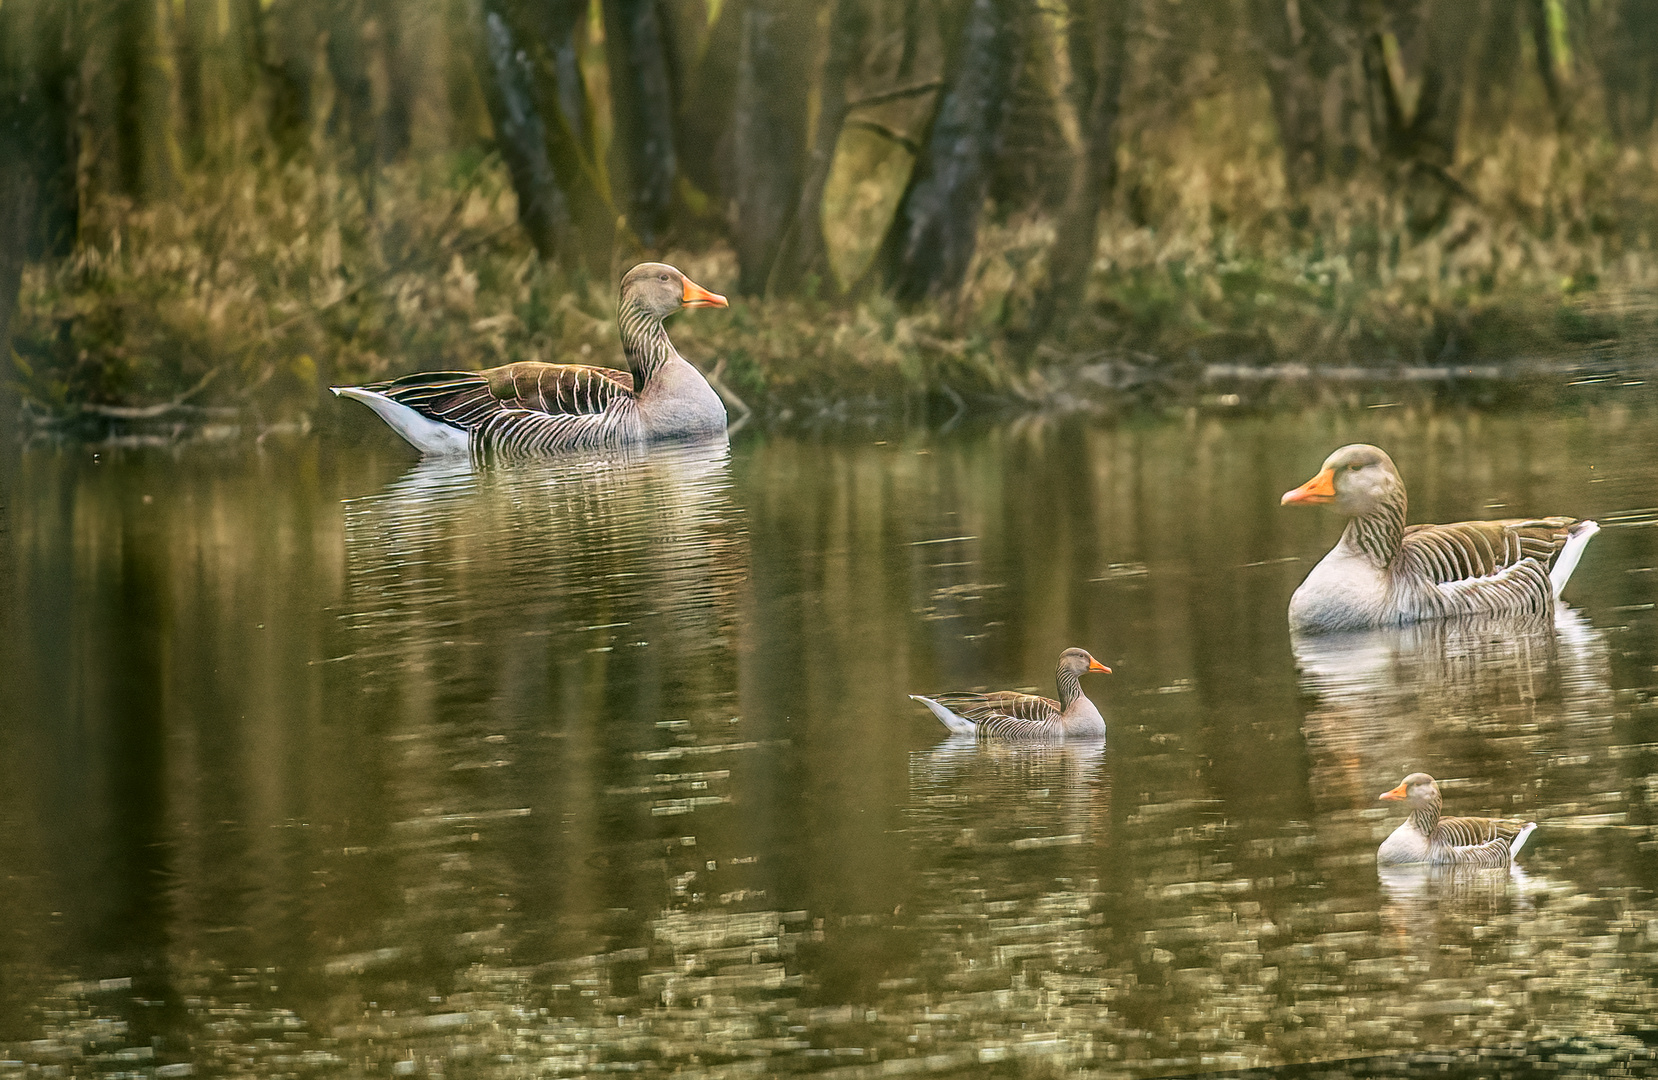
1451, 698
549, 646
1011, 796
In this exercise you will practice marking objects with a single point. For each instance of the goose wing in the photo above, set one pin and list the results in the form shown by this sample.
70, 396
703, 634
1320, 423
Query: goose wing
1474, 841
1480, 549
474, 399
1005, 714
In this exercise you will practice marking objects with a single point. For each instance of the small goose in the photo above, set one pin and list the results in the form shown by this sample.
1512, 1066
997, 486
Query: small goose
1007, 714
1385, 573
1425, 837
531, 407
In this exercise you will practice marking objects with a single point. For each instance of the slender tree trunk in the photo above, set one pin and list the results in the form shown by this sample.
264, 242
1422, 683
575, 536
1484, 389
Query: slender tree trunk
1306, 53
770, 131
703, 61
569, 122
1548, 61
935, 230
804, 247
642, 109
143, 66
38, 198
1097, 37
521, 136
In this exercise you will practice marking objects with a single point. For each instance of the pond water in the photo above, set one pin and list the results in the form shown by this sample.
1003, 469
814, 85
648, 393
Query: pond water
318, 760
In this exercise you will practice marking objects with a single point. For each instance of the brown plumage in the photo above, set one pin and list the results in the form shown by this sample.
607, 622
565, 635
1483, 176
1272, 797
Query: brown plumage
1427, 837
1385, 573
1007, 714
532, 407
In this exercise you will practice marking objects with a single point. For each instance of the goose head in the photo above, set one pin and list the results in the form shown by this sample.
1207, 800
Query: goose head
1417, 791
661, 290
1355, 481
1078, 662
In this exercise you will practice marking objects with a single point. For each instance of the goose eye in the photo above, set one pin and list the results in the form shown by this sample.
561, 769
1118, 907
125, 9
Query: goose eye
1354, 468
664, 277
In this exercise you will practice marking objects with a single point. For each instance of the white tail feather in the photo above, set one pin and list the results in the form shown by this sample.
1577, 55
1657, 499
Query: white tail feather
1576, 541
1520, 841
427, 436
958, 724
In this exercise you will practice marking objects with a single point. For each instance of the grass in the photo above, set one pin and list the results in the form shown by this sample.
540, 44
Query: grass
254, 290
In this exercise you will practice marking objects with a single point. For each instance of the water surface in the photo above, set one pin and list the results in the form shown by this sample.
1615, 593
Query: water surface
316, 759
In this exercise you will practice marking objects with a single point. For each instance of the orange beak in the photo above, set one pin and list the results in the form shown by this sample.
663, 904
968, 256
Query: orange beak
697, 296
1320, 489
1395, 795
1095, 665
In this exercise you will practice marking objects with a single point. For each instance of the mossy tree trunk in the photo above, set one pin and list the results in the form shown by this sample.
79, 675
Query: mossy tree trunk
143, 66
804, 250
769, 128
933, 234
642, 111
520, 134
1307, 47
1096, 38
570, 128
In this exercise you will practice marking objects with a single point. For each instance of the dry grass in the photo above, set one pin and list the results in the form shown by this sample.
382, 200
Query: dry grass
258, 289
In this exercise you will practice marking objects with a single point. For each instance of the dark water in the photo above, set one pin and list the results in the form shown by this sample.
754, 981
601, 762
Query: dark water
317, 761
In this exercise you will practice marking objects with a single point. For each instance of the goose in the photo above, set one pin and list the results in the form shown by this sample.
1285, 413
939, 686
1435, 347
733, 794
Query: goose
1425, 837
531, 407
1007, 714
1385, 573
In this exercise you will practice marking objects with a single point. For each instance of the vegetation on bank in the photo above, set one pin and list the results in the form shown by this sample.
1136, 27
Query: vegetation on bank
1211, 229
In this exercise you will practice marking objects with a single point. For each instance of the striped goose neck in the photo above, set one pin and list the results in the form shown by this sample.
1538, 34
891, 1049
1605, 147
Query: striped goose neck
1070, 687
1426, 818
644, 342
1379, 533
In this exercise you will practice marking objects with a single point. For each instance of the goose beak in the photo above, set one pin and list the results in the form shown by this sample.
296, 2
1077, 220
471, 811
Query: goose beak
1095, 665
1320, 489
697, 296
1396, 794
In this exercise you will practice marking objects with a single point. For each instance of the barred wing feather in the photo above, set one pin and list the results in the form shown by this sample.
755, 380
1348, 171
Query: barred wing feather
1478, 549
1474, 841
1005, 714
1488, 567
472, 399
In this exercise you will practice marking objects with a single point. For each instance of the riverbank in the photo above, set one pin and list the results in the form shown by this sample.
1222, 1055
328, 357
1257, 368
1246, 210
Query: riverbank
244, 298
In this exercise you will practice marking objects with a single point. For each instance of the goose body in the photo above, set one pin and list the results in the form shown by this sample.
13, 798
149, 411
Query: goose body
531, 407
1007, 714
1427, 837
1385, 573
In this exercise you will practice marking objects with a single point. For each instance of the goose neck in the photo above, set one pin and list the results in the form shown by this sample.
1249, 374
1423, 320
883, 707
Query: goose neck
1070, 688
1425, 818
1379, 533
644, 342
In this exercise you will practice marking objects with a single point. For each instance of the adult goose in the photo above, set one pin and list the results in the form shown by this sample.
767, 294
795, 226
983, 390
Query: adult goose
1385, 573
1426, 837
531, 407
1007, 714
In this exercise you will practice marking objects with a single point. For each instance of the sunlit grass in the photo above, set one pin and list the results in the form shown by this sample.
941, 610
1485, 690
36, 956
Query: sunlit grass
261, 287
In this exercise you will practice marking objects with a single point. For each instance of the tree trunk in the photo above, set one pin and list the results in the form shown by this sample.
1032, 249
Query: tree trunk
1307, 48
570, 146
521, 136
1097, 37
142, 62
38, 199
933, 234
642, 109
1548, 59
770, 131
804, 247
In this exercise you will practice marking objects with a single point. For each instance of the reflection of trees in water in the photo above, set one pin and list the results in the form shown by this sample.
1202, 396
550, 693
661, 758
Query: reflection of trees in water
548, 647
